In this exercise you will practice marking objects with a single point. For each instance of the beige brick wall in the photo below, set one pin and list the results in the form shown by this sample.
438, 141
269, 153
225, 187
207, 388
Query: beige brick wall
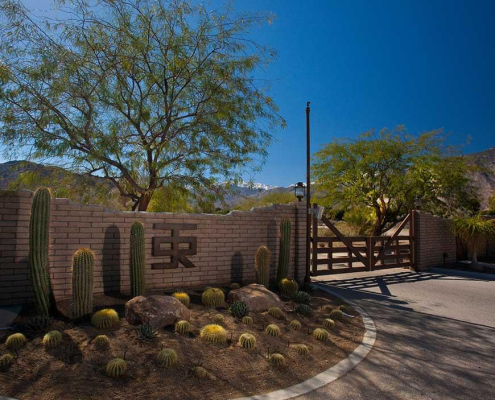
226, 245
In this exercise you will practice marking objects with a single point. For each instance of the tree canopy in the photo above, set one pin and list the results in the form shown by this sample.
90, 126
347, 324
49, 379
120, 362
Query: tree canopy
384, 172
145, 93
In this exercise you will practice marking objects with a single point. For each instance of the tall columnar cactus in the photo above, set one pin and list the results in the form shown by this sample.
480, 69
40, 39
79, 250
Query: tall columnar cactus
262, 266
39, 226
83, 264
284, 255
138, 259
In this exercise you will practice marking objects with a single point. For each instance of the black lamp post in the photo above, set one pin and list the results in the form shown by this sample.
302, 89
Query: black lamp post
300, 191
307, 277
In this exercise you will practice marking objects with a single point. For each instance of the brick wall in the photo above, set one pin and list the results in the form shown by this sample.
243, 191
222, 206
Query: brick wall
433, 239
225, 245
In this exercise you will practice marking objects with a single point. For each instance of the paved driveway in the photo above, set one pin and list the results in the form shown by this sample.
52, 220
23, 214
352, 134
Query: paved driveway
436, 337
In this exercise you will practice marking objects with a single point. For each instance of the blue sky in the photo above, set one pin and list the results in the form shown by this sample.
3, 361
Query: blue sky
373, 64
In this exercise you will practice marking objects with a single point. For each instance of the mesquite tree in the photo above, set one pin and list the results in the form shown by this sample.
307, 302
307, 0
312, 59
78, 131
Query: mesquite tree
146, 93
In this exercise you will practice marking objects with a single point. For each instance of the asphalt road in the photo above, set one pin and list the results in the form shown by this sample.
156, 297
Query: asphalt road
435, 337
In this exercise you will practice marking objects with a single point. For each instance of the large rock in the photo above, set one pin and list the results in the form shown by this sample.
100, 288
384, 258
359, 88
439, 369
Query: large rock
257, 297
158, 310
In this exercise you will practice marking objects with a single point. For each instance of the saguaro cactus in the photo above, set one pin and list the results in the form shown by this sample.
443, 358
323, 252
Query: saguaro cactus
262, 266
83, 264
39, 226
284, 254
138, 259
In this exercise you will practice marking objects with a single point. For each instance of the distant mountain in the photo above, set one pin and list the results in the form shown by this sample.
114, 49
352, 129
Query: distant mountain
485, 179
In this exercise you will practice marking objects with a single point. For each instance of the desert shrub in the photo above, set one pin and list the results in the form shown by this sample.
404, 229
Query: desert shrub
116, 368
39, 322
288, 287
277, 359
15, 341
302, 297
6, 361
52, 339
336, 315
101, 341
272, 330
276, 312
183, 327
302, 349
234, 286
183, 298
247, 341
295, 325
329, 323
213, 334
105, 319
218, 319
213, 297
304, 309
247, 321
146, 332
320, 334
167, 358
239, 309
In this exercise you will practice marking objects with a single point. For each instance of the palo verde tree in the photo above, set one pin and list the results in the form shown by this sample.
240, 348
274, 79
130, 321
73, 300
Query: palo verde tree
384, 172
145, 93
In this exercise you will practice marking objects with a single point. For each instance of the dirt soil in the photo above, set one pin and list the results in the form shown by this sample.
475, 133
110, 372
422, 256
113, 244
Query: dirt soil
76, 369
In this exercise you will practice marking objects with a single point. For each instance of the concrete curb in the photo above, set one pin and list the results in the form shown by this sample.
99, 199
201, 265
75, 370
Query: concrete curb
335, 372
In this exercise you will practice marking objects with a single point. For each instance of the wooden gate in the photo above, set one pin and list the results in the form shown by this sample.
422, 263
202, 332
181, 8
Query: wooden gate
341, 254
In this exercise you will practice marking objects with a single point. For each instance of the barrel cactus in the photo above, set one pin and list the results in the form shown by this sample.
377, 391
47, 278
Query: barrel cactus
213, 297
320, 334
52, 339
116, 368
301, 297
239, 309
272, 330
39, 322
6, 361
218, 319
101, 341
105, 319
302, 349
247, 341
276, 312
15, 341
262, 266
183, 298
213, 334
284, 253
329, 323
295, 325
277, 359
200, 372
39, 226
167, 358
247, 321
83, 264
182, 327
138, 259
288, 287
336, 315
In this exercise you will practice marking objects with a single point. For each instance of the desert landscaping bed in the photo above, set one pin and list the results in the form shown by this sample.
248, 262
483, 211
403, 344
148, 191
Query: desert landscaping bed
76, 368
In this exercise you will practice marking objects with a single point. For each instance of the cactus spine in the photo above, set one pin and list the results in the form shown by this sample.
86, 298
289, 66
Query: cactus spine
39, 225
138, 259
262, 266
83, 264
284, 254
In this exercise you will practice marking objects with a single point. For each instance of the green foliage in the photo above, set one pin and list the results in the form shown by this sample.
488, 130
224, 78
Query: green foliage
276, 312
15, 341
102, 341
491, 204
336, 315
83, 264
320, 334
105, 319
288, 287
272, 330
183, 298
213, 334
146, 94
183, 327
239, 309
277, 360
302, 297
6, 361
146, 332
247, 341
167, 358
295, 325
473, 232
247, 321
213, 297
360, 220
302, 349
329, 323
116, 368
52, 339
39, 322
39, 226
138, 259
264, 201
172, 198
304, 309
218, 319
381, 175
284, 254
262, 266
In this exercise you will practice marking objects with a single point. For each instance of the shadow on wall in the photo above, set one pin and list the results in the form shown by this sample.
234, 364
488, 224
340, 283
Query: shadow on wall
236, 271
111, 260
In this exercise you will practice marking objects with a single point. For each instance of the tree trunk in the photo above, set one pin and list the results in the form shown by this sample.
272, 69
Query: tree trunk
474, 261
144, 201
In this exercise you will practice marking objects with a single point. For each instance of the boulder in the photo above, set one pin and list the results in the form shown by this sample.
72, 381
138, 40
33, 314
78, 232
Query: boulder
257, 297
157, 310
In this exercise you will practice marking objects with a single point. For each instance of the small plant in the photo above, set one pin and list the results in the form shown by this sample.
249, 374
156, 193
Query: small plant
329, 323
182, 327
218, 319
328, 308
213, 334
262, 266
102, 341
183, 298
336, 315
234, 286
105, 319
302, 297
39, 322
138, 259
277, 359
6, 361
83, 264
239, 309
304, 309
295, 325
247, 341
15, 341
288, 287
247, 321
213, 297
302, 349
116, 368
52, 339
146, 332
276, 312
200, 372
345, 309
320, 334
272, 330
167, 358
